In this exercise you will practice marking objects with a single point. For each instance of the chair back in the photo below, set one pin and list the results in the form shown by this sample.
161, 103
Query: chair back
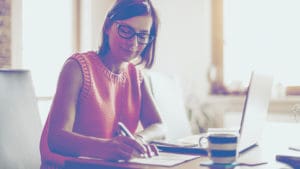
167, 92
20, 123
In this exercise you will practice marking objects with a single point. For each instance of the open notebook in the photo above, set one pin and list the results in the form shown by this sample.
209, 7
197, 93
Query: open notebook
251, 126
164, 159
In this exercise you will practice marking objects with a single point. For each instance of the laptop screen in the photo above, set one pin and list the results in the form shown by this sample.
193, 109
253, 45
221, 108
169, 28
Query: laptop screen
255, 109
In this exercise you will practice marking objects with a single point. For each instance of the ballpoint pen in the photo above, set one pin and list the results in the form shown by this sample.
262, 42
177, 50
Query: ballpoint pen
295, 148
124, 129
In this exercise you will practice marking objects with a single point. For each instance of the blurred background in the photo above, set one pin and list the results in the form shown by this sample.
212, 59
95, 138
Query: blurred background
211, 46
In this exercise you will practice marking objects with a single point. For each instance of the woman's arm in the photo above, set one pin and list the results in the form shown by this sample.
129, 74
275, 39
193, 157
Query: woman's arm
63, 111
150, 118
63, 140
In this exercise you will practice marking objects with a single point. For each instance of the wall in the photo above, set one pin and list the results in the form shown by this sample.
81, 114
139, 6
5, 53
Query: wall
16, 34
92, 17
183, 42
10, 33
5, 33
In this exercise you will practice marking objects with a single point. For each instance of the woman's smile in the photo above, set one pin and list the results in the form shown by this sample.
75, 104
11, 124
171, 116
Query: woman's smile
129, 51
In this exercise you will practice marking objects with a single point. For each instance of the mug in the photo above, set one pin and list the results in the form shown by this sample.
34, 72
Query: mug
222, 147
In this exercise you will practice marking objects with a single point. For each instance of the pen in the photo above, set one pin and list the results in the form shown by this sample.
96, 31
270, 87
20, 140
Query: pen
124, 129
127, 133
295, 148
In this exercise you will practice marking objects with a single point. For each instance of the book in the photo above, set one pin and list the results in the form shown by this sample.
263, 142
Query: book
291, 160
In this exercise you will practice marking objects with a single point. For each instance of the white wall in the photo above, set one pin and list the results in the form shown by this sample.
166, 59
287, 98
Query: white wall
183, 46
92, 17
184, 43
16, 34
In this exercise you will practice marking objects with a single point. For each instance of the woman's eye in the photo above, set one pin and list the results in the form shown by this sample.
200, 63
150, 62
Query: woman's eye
125, 29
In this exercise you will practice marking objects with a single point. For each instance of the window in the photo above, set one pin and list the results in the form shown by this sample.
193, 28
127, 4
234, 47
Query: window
47, 41
50, 33
255, 35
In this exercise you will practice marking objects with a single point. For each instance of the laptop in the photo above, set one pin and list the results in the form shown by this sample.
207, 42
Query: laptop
255, 110
252, 121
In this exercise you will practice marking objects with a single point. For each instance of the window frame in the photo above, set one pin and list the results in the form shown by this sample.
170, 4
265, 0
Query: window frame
218, 87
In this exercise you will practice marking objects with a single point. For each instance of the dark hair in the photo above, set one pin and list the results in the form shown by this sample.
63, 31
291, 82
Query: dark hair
125, 9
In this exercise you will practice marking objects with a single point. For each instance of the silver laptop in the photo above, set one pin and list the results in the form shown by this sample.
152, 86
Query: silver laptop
255, 110
252, 122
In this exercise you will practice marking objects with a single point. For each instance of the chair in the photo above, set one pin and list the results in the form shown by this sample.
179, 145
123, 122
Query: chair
167, 93
20, 124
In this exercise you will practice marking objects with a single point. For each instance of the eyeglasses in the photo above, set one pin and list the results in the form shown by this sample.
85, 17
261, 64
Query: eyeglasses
127, 32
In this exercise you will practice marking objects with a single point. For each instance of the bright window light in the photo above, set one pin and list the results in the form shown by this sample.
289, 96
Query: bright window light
47, 41
262, 35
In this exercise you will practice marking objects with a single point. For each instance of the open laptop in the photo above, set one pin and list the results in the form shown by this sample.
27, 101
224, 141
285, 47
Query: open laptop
252, 122
255, 110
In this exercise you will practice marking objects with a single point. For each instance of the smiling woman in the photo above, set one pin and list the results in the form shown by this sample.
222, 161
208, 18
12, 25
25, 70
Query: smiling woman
129, 39
98, 89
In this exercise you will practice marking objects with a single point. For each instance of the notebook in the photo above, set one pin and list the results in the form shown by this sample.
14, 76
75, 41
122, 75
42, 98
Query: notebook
164, 159
251, 126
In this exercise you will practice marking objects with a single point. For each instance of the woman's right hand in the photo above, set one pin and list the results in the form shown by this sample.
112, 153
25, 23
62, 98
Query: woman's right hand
121, 148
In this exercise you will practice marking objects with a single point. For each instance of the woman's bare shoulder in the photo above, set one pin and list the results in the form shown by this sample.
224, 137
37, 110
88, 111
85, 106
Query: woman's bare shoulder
71, 74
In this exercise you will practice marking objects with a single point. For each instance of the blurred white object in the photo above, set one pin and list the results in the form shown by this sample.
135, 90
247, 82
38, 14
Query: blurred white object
167, 93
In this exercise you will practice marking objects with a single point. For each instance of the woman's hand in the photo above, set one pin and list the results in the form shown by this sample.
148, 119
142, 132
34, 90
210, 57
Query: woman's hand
121, 148
151, 149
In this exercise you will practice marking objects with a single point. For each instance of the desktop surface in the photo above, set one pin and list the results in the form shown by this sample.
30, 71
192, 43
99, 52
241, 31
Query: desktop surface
276, 139
78, 164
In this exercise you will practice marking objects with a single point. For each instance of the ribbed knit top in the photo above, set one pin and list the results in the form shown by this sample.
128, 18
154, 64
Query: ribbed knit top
105, 99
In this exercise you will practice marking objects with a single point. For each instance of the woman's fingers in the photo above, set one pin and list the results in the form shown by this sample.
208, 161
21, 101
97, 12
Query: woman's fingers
151, 150
154, 149
126, 148
139, 147
130, 146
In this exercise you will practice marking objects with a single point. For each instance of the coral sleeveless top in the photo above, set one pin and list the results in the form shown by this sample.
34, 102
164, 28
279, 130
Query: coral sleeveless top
105, 99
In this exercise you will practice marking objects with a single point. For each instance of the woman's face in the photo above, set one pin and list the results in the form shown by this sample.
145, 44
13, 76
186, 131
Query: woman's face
128, 38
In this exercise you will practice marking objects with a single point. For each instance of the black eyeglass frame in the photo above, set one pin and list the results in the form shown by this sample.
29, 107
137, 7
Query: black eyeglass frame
140, 36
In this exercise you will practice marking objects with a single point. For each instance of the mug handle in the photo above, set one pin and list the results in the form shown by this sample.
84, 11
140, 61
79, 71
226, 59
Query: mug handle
203, 141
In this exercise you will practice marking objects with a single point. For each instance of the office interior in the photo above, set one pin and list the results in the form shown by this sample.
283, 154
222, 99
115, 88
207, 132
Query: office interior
189, 48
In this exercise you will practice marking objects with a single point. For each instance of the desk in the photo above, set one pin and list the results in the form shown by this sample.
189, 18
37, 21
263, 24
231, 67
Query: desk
275, 140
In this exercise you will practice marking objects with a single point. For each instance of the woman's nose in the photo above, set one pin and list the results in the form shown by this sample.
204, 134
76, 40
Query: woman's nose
134, 41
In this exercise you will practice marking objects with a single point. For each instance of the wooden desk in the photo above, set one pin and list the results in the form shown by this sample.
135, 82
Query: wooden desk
275, 140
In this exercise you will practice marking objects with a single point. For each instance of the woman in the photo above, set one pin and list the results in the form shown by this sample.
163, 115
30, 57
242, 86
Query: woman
97, 90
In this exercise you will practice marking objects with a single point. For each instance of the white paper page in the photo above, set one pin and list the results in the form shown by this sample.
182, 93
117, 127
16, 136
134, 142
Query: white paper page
164, 159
